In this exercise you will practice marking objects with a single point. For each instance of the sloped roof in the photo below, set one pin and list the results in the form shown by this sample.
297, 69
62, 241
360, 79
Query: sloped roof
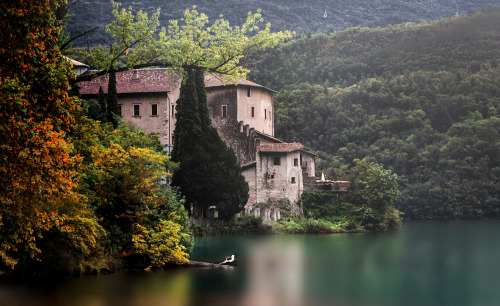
268, 136
152, 81
249, 164
75, 63
280, 147
132, 81
283, 148
217, 81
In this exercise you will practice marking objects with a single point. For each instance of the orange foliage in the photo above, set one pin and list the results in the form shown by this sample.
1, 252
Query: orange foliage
37, 167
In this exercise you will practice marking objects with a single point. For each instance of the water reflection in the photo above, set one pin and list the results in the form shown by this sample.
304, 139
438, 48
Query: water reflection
429, 263
275, 274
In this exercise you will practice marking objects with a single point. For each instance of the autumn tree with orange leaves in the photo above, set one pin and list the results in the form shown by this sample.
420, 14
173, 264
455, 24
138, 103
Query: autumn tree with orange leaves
39, 207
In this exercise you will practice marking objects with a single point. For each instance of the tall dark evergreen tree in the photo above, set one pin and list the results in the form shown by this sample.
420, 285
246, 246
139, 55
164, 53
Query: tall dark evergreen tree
209, 173
112, 99
102, 100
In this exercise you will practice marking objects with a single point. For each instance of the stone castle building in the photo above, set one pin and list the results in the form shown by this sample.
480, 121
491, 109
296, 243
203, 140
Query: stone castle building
277, 172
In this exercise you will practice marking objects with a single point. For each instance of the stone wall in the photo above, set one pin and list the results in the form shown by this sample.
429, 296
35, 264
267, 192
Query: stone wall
255, 108
278, 186
152, 124
237, 136
308, 164
250, 175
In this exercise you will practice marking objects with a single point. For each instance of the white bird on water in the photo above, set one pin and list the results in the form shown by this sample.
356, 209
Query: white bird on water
228, 260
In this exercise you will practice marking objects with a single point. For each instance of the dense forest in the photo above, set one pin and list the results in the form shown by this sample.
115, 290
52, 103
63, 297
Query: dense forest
423, 99
301, 16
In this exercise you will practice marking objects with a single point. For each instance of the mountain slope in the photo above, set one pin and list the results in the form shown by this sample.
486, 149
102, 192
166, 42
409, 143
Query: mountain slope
344, 58
423, 99
301, 16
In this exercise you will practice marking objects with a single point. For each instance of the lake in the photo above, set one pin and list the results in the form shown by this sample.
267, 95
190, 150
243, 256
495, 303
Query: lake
427, 263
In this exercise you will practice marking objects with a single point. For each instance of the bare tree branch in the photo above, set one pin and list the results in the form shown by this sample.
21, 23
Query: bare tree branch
76, 37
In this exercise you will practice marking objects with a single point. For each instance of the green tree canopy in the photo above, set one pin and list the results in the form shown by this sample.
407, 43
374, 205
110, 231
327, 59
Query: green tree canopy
189, 43
380, 185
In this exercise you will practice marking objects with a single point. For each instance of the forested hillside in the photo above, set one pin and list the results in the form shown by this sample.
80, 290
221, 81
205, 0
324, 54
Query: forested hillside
344, 58
423, 99
294, 15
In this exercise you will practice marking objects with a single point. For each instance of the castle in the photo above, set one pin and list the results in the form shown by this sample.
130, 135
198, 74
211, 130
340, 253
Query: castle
277, 172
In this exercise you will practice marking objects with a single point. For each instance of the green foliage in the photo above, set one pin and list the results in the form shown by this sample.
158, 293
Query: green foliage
380, 186
368, 207
94, 110
132, 40
209, 173
356, 216
102, 99
301, 225
111, 100
322, 204
192, 43
244, 224
123, 177
344, 58
422, 100
162, 244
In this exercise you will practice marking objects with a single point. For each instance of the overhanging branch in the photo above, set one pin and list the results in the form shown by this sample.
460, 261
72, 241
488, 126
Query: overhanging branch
77, 36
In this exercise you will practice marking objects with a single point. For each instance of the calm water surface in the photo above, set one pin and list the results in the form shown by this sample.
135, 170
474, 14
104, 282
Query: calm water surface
428, 263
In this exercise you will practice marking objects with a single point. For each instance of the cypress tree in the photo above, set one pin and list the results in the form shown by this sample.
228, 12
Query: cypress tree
102, 100
112, 99
209, 173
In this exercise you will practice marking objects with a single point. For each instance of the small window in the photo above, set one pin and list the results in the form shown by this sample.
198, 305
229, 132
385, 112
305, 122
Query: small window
277, 161
253, 111
224, 111
295, 162
293, 179
137, 110
119, 110
272, 176
173, 110
154, 109
248, 92
265, 114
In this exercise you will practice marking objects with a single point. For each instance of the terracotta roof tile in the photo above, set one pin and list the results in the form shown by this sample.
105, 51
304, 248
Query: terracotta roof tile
216, 81
281, 147
132, 81
268, 136
151, 80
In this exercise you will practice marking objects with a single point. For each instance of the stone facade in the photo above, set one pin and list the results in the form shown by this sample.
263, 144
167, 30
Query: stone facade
146, 99
277, 173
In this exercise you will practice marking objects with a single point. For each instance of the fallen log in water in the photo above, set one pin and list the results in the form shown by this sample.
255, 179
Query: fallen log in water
201, 264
